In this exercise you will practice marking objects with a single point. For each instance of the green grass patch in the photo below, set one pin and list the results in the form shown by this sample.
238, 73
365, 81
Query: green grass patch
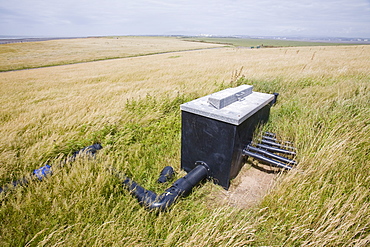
242, 42
324, 202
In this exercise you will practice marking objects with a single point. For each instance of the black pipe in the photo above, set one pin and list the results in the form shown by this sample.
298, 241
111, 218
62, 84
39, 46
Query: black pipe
90, 150
42, 172
275, 149
271, 155
274, 139
166, 174
181, 187
269, 138
13, 184
267, 160
273, 102
270, 134
272, 143
46, 170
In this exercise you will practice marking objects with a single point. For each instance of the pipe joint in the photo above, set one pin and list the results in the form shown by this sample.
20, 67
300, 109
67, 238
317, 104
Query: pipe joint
180, 188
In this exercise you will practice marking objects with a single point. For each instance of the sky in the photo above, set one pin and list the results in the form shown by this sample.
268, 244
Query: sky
81, 18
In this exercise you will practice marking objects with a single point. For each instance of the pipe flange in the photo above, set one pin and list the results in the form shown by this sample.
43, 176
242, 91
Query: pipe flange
202, 163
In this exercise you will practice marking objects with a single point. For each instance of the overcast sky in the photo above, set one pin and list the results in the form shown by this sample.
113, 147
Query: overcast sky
328, 18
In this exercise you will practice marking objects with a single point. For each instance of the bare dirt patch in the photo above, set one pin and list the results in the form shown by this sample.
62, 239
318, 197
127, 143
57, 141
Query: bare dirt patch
248, 188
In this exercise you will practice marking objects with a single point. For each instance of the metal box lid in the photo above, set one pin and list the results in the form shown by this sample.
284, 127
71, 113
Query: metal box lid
232, 105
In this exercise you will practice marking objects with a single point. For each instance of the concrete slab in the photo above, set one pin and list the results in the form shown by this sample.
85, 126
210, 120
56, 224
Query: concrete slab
232, 105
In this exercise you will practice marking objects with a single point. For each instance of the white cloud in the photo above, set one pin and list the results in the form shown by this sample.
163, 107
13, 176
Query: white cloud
263, 17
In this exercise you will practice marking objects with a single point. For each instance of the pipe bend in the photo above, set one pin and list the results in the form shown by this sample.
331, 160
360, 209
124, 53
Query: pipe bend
181, 187
165, 200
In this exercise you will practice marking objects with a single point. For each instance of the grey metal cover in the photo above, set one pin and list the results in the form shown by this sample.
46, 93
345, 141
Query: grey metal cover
232, 105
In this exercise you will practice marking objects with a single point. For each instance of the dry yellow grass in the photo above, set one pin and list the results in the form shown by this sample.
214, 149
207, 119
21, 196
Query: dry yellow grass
56, 52
48, 107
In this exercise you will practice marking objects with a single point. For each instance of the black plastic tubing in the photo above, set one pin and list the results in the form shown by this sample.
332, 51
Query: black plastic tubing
181, 187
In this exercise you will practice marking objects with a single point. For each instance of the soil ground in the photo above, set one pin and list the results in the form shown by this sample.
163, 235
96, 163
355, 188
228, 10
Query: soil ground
250, 186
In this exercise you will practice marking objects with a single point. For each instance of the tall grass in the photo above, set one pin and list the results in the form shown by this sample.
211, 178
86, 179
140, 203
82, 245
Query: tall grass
132, 108
326, 201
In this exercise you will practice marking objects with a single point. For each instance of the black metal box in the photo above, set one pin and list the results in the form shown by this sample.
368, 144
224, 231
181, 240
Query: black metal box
216, 128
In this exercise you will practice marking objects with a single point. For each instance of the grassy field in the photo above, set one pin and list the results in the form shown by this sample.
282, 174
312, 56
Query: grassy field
243, 42
131, 106
27, 55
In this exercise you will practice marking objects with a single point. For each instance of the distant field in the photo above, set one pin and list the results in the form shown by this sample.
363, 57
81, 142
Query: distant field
16, 56
27, 55
131, 106
262, 42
